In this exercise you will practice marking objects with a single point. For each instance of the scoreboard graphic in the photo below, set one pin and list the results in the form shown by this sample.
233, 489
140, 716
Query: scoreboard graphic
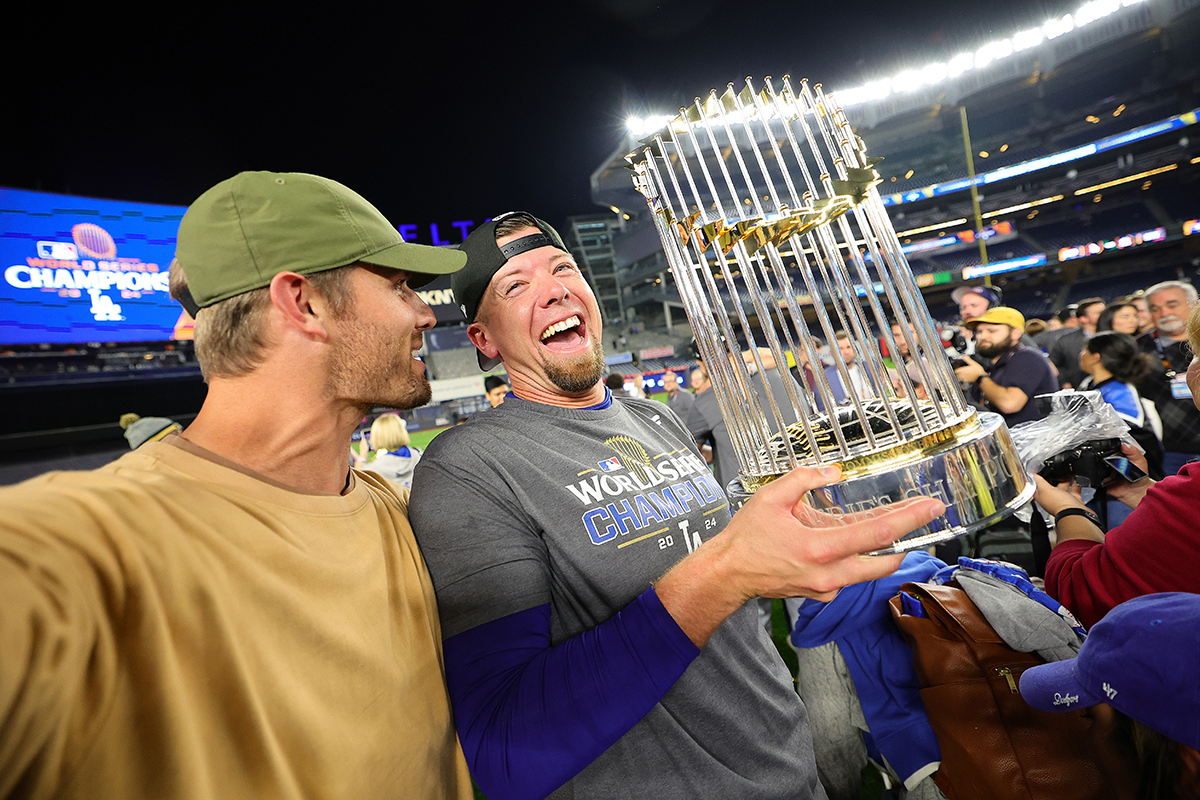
79, 270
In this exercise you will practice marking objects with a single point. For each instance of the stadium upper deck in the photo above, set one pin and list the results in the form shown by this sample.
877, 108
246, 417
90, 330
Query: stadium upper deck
1085, 145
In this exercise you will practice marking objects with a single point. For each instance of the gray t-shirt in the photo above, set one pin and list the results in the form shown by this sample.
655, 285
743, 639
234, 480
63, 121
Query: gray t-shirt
681, 403
532, 504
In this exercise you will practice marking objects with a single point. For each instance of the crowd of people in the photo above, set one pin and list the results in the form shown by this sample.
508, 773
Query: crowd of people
562, 605
1133, 350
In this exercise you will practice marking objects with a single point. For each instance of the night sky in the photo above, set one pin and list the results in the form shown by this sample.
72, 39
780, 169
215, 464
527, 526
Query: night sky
436, 112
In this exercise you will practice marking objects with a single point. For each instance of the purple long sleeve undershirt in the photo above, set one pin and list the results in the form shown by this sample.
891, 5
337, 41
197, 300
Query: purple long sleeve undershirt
532, 715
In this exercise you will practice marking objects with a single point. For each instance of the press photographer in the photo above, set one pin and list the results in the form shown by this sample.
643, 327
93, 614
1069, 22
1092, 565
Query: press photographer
1004, 375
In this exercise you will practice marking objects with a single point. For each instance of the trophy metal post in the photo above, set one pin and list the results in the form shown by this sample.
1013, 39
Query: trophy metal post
755, 191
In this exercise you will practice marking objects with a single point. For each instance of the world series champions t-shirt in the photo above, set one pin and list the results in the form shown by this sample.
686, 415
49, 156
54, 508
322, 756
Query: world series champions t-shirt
530, 506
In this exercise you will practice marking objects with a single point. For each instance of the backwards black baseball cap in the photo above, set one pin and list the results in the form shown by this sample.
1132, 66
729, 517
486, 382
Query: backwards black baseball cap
485, 258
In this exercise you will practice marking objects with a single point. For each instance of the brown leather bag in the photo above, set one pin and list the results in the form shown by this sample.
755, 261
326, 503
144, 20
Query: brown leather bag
994, 745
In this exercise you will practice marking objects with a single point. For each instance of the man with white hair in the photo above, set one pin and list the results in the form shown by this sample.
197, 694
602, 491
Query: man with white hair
1170, 304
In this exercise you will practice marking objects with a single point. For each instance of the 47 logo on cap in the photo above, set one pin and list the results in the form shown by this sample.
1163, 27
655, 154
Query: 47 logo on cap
609, 465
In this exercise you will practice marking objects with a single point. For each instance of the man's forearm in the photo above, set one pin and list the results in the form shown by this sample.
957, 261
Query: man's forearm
1078, 527
1009, 399
697, 602
531, 715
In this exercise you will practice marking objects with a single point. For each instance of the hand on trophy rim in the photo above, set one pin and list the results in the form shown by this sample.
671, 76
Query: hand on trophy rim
836, 518
769, 550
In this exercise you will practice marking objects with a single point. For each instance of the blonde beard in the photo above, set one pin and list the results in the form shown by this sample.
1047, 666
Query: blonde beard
580, 374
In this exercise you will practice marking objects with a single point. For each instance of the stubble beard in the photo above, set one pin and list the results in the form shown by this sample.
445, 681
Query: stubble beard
364, 369
580, 374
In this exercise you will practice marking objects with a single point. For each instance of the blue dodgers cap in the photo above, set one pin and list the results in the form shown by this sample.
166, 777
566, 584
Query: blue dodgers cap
1143, 659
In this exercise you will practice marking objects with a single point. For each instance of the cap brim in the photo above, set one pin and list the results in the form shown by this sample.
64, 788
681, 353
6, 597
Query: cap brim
957, 294
1056, 687
422, 262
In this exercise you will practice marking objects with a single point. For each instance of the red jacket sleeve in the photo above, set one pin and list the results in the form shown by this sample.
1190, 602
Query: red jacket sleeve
1155, 550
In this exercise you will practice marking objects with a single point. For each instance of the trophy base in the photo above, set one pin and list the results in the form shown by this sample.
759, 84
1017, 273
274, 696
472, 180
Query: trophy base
977, 474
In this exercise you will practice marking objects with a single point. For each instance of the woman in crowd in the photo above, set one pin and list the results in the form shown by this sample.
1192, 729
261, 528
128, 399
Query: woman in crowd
1155, 550
395, 457
1121, 317
1114, 365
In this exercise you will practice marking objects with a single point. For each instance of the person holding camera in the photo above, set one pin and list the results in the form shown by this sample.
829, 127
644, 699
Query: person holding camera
1005, 375
1154, 550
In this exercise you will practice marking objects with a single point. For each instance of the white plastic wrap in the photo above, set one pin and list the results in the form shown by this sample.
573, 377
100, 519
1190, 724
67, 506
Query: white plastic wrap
1074, 419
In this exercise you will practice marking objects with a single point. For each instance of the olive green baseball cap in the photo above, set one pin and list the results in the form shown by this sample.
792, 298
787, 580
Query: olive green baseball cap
244, 231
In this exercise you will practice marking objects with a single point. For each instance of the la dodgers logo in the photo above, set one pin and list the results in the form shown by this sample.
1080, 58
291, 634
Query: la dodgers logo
1065, 699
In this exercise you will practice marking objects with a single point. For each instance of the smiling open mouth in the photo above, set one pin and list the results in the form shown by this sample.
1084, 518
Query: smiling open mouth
561, 331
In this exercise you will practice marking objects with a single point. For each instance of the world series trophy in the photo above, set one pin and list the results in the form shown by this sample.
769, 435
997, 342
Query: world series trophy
766, 205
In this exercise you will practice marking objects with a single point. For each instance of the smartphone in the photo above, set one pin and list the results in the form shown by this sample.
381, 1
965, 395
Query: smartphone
1125, 468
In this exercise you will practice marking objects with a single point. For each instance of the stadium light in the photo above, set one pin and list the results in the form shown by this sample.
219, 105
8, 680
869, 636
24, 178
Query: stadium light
1119, 181
644, 126
931, 74
1027, 39
1032, 204
960, 64
1057, 27
993, 51
927, 228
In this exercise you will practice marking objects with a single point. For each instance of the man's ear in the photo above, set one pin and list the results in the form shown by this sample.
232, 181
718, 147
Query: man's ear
478, 334
300, 304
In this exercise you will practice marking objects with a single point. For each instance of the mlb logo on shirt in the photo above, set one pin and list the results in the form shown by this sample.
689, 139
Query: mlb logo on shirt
610, 464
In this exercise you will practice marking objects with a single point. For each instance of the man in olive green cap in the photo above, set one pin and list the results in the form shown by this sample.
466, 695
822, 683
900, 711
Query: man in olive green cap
232, 612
